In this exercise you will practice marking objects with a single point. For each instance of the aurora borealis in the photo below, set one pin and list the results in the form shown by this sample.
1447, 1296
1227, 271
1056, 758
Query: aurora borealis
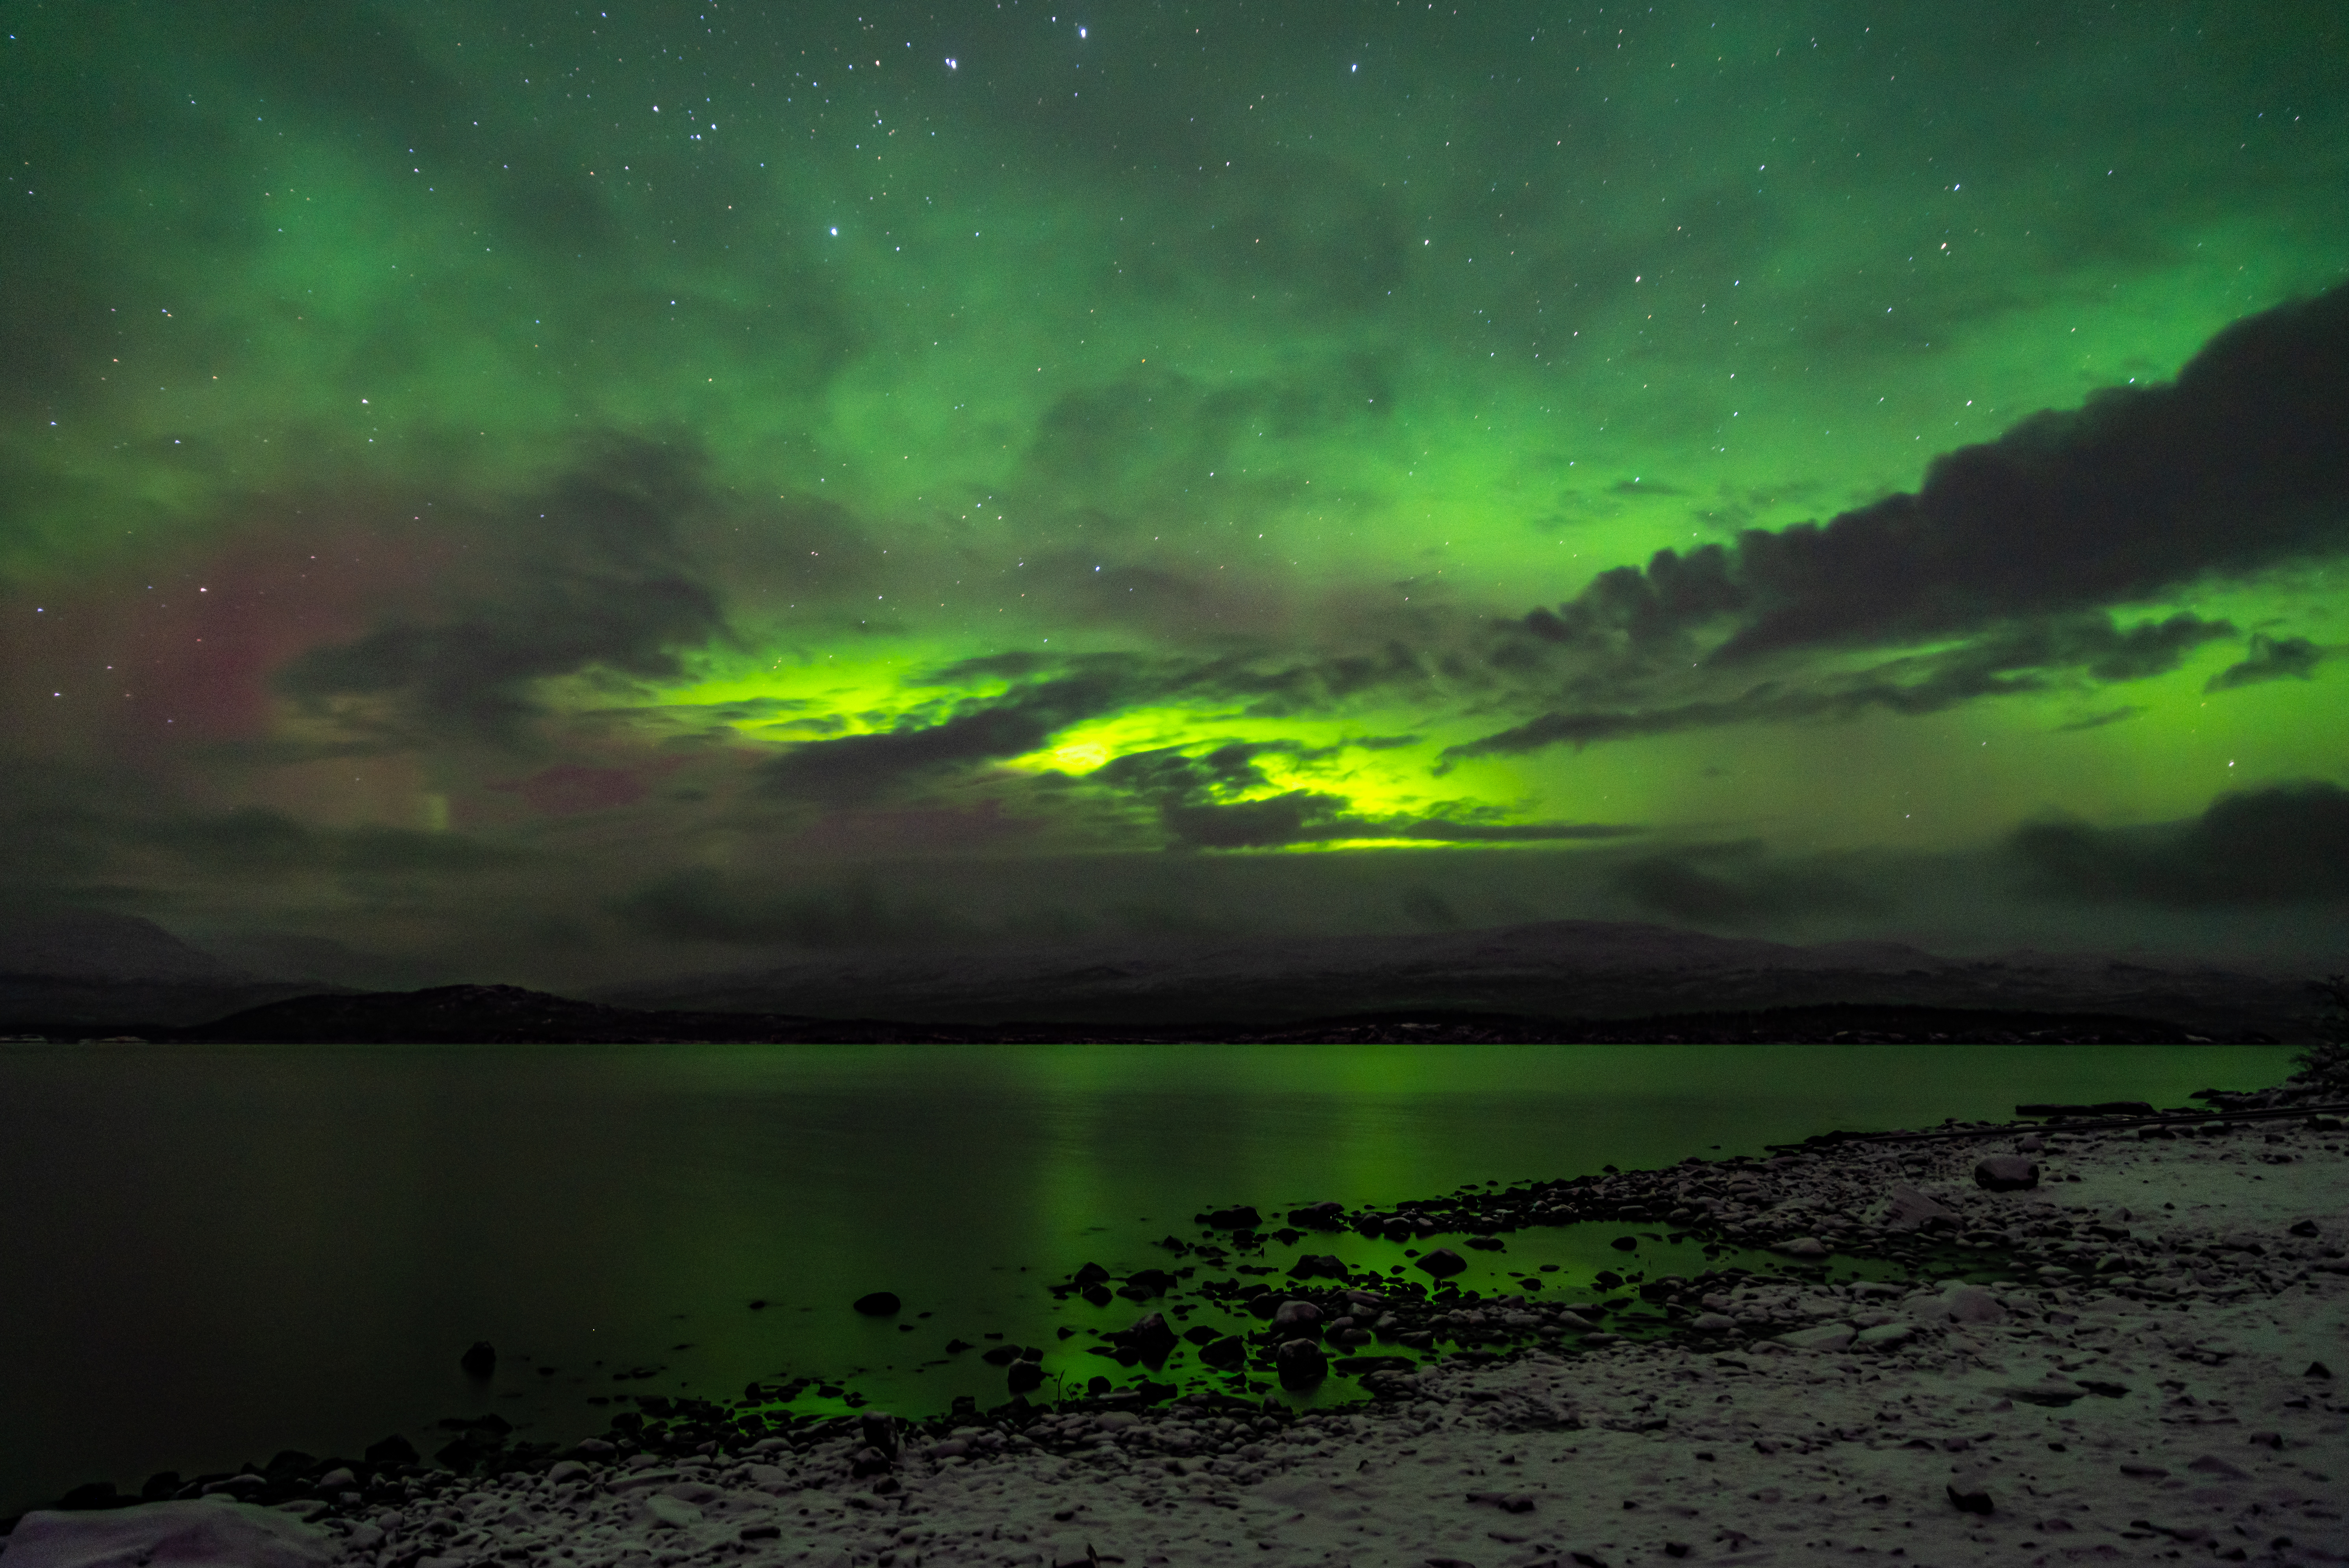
552, 492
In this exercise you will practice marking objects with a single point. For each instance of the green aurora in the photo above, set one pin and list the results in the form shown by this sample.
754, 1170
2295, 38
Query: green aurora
549, 491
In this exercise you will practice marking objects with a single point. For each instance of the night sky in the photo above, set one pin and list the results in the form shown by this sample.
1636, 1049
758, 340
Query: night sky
537, 491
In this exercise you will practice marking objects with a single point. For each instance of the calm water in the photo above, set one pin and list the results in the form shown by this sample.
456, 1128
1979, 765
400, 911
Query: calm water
210, 1255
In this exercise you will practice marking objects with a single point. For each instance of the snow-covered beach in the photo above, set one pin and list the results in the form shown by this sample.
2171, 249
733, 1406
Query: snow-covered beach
2143, 1368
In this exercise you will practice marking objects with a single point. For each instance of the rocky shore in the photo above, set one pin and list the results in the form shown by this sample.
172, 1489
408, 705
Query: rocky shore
2101, 1334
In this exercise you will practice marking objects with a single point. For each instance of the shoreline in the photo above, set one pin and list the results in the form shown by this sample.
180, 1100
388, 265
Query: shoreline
2143, 1262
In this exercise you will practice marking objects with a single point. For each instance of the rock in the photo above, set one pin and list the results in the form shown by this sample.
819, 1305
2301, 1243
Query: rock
2304, 1227
1804, 1247
1242, 1218
880, 1303
1971, 1304
670, 1513
1295, 1320
481, 1361
2030, 1143
1625, 1243
2007, 1173
2212, 1465
879, 1431
392, 1450
1884, 1336
205, 1534
1322, 1266
1228, 1352
1025, 1376
1300, 1363
1969, 1495
1703, 1322
2317, 1369
1827, 1336
1443, 1262
1912, 1211
1148, 1282
1091, 1274
566, 1471
1152, 1339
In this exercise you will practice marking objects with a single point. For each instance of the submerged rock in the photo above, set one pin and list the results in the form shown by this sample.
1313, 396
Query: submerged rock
1300, 1363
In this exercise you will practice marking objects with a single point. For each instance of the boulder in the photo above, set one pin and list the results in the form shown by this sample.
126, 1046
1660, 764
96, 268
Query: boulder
1912, 1211
200, 1534
1295, 1319
1971, 1304
1807, 1247
1300, 1363
1827, 1336
1443, 1262
392, 1450
481, 1361
1150, 1281
1152, 1339
2007, 1173
1968, 1494
880, 1303
1884, 1336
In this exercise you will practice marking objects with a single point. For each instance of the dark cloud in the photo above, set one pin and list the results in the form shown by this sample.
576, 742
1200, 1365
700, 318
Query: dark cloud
2271, 659
702, 906
2273, 846
2242, 463
2010, 662
599, 581
864, 767
1738, 885
257, 841
2098, 720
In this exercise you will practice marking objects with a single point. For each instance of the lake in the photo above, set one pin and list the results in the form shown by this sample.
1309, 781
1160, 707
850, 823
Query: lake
213, 1254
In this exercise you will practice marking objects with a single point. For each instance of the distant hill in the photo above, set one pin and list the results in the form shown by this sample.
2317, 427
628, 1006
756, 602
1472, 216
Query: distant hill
1556, 968
88, 965
1561, 978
